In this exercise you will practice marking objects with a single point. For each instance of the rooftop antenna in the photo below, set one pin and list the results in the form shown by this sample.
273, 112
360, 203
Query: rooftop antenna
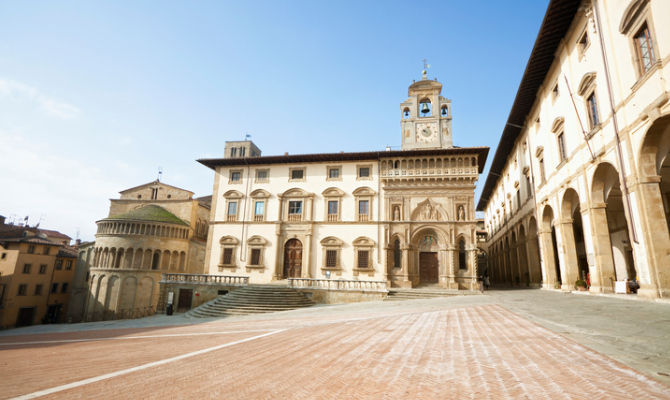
424, 73
160, 173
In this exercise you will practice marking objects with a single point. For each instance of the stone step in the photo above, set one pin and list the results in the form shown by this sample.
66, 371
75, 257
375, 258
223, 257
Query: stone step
254, 299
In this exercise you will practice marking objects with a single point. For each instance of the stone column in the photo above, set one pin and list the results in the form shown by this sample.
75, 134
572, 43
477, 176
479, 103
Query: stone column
443, 260
603, 279
568, 248
655, 275
279, 256
471, 255
549, 263
307, 258
451, 276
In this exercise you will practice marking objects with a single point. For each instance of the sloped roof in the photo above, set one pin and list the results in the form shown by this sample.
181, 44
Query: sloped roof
151, 213
154, 183
555, 24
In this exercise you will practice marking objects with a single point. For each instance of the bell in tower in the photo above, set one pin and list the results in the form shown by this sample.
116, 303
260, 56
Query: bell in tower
421, 128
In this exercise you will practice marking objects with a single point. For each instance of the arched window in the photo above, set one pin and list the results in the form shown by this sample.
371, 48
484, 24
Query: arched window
425, 108
397, 254
461, 254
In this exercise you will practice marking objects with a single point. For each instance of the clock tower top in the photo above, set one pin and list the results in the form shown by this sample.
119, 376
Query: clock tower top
426, 116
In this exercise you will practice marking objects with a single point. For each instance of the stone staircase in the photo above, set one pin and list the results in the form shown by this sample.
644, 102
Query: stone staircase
254, 299
397, 294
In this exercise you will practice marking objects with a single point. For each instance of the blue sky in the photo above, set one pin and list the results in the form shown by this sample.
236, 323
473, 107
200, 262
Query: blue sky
95, 96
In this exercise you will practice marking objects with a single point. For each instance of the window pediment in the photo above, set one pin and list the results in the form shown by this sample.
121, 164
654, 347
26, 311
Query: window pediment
332, 241
296, 192
585, 84
631, 14
363, 191
538, 151
229, 240
557, 125
260, 194
257, 241
333, 192
233, 194
363, 241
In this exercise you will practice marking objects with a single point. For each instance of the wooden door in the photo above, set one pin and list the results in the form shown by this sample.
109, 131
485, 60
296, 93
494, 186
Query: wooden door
292, 259
185, 298
428, 267
26, 316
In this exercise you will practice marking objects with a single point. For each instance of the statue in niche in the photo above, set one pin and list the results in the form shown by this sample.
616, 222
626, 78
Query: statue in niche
396, 213
461, 213
429, 211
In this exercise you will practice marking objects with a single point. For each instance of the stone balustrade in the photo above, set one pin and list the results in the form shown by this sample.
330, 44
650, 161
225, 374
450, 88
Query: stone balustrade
225, 280
337, 284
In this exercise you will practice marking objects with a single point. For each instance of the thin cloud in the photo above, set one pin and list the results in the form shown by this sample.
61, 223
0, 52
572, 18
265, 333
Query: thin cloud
18, 91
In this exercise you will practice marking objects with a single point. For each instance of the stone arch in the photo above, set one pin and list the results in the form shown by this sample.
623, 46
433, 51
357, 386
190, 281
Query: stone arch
182, 261
111, 295
127, 295
552, 270
574, 248
165, 264
654, 207
145, 293
428, 255
611, 226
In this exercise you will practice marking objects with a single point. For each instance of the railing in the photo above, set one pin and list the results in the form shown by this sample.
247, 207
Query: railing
397, 172
363, 217
206, 279
259, 218
295, 217
231, 218
333, 217
337, 284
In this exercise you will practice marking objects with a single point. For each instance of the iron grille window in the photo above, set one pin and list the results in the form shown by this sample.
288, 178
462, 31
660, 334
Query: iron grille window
364, 172
227, 256
297, 174
255, 256
333, 173
363, 261
331, 258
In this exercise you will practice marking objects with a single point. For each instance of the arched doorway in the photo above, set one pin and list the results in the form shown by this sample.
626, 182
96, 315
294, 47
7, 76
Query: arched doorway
292, 259
576, 266
654, 193
613, 242
429, 266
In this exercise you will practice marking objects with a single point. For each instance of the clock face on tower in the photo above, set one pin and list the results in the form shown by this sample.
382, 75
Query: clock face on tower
426, 133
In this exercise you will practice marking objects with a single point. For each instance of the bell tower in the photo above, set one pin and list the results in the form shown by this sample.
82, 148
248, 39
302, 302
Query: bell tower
426, 116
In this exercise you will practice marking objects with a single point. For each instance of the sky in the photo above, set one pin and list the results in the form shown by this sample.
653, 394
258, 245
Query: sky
96, 96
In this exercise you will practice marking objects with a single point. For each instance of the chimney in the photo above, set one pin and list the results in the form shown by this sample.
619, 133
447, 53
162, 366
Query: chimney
2, 219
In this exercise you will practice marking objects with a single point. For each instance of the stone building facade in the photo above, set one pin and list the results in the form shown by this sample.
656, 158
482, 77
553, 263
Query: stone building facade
403, 217
151, 229
36, 272
579, 187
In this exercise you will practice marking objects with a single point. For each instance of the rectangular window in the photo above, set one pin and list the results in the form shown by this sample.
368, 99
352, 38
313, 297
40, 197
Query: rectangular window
644, 49
297, 174
542, 174
43, 269
233, 151
38, 290
227, 256
68, 264
63, 288
31, 249
255, 256
4, 255
262, 175
332, 207
561, 146
259, 210
593, 110
331, 258
363, 259
235, 176
518, 199
26, 268
23, 289
364, 172
529, 187
334, 173
295, 207
583, 43
232, 208
154, 193
58, 264
363, 210
46, 250
54, 288
243, 151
